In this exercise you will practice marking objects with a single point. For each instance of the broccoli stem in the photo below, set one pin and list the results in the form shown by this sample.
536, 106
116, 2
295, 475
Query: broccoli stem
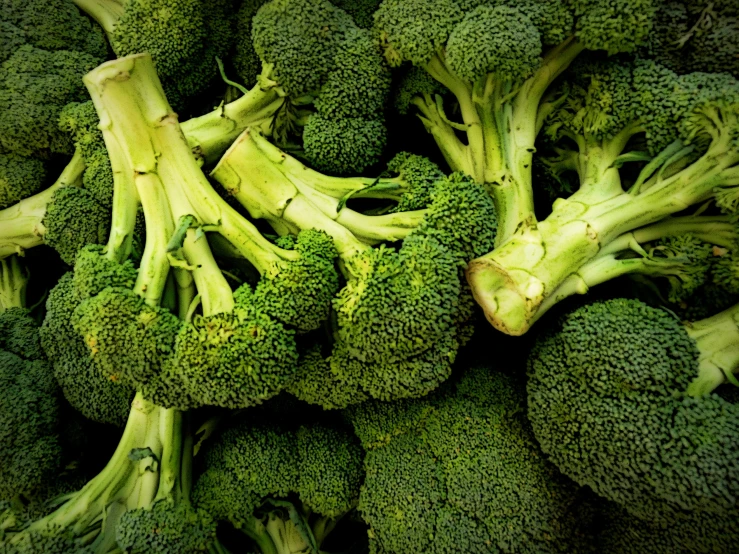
21, 225
255, 530
717, 339
436, 123
211, 134
512, 281
212, 286
132, 478
274, 186
105, 12
13, 283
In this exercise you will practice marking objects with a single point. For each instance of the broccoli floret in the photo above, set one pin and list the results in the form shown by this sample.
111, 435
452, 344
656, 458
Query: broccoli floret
460, 470
85, 388
619, 400
281, 483
36, 85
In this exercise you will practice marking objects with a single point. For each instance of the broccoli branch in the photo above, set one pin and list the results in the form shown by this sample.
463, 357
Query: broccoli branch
13, 283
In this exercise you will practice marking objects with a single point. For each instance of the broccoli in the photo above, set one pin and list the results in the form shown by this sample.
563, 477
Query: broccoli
377, 351
20, 177
65, 216
322, 80
687, 124
497, 61
620, 400
460, 471
284, 486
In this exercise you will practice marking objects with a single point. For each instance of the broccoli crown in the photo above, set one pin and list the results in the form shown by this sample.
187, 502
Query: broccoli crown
707, 94
419, 281
300, 294
129, 341
53, 25
299, 38
235, 360
693, 533
81, 121
460, 471
248, 463
498, 40
19, 334
343, 146
420, 176
11, 38
94, 272
165, 528
35, 86
85, 388
606, 404
461, 216
362, 11
725, 272
20, 177
30, 452
73, 220
697, 255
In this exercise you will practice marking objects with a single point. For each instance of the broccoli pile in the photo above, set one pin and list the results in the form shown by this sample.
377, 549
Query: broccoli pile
265, 266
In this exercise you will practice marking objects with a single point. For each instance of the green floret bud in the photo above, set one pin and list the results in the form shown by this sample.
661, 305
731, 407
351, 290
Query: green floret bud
554, 19
696, 255
420, 282
415, 30
343, 146
11, 38
94, 272
462, 217
330, 469
359, 80
35, 86
30, 451
20, 177
84, 387
362, 11
73, 220
50, 540
614, 25
300, 294
19, 334
421, 176
129, 341
171, 31
500, 40
235, 360
165, 529
725, 272
301, 62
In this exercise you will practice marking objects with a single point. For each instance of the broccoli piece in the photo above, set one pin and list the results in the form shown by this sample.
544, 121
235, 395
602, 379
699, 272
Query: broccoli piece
395, 355
36, 85
497, 60
460, 470
13, 285
687, 125
619, 399
322, 80
284, 486
184, 37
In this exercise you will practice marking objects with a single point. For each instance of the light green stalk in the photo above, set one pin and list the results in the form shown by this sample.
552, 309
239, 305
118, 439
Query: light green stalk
13, 283
717, 339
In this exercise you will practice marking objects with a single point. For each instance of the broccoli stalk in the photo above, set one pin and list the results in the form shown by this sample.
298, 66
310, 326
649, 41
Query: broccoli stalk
689, 124
13, 283
683, 262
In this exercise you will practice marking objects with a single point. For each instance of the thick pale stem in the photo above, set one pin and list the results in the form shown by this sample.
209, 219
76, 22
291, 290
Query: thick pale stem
454, 152
210, 135
13, 283
214, 290
717, 339
154, 267
105, 12
21, 225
